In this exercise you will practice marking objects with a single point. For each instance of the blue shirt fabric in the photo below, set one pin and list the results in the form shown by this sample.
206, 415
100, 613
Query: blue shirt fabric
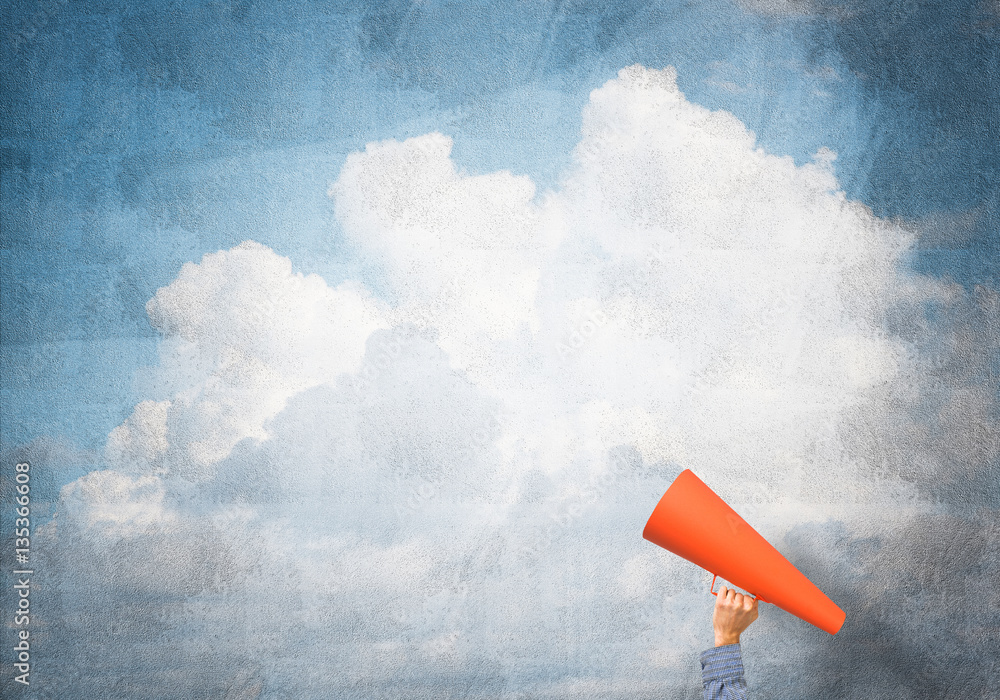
722, 673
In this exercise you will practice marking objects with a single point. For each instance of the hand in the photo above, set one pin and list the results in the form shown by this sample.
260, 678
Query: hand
733, 613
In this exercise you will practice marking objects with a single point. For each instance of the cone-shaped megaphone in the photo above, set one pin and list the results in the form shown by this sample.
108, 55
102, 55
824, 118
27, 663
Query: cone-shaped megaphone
693, 522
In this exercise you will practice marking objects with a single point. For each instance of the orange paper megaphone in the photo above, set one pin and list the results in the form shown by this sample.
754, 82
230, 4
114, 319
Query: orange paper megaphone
693, 522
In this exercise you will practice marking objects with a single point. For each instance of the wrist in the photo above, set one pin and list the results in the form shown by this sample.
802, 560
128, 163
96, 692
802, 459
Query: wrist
722, 640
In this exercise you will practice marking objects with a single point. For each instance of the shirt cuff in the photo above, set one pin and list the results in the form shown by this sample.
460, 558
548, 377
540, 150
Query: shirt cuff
721, 663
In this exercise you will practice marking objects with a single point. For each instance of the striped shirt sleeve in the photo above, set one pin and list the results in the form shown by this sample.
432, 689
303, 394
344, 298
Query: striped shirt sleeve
722, 673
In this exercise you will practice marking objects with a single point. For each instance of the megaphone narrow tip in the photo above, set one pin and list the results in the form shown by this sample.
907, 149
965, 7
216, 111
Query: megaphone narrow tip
836, 628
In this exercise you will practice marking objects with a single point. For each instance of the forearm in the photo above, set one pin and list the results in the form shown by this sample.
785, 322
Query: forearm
722, 673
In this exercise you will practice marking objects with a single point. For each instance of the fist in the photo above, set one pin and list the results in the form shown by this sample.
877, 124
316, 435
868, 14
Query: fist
733, 613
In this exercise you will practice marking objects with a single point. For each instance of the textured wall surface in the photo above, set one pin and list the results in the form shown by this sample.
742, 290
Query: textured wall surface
351, 345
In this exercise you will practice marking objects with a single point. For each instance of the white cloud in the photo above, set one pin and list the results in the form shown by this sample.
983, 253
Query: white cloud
243, 334
462, 252
141, 440
115, 504
727, 281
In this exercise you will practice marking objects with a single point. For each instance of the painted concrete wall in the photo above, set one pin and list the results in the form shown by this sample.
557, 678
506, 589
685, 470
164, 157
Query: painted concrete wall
351, 347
